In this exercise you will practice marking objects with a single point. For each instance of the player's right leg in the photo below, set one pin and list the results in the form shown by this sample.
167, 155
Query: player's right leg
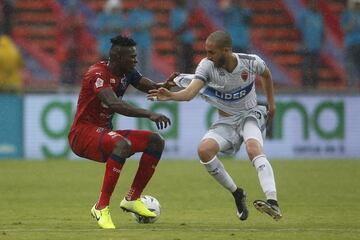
207, 151
102, 217
102, 145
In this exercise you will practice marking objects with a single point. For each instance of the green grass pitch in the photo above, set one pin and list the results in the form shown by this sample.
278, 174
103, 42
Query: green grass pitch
51, 200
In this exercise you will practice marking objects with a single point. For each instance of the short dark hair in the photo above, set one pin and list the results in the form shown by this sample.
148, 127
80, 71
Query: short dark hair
122, 41
118, 44
221, 38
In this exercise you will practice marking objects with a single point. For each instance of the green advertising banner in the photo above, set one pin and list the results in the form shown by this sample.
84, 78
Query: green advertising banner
314, 127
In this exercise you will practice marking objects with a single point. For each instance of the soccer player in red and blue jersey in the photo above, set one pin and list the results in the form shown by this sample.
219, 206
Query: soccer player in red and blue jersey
91, 135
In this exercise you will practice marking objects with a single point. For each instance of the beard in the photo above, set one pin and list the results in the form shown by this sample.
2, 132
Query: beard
220, 62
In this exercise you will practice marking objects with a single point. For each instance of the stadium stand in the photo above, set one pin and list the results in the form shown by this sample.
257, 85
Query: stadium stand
274, 34
36, 20
164, 55
34, 31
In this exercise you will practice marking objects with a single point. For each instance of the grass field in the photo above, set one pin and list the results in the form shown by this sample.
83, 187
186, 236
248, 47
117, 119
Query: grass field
52, 200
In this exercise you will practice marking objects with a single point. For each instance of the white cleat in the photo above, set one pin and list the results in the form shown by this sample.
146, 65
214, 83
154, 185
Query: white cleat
270, 209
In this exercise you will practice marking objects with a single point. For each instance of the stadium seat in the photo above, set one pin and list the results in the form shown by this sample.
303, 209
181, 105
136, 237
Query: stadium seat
95, 5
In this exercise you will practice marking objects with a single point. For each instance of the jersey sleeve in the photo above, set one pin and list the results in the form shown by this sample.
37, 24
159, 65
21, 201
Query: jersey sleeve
134, 77
99, 80
203, 69
259, 65
183, 80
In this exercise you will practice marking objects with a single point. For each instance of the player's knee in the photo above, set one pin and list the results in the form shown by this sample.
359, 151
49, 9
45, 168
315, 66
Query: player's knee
253, 148
206, 152
156, 142
122, 148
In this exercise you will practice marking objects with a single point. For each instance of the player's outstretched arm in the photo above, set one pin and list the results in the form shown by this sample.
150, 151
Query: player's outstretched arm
146, 84
109, 99
186, 94
267, 83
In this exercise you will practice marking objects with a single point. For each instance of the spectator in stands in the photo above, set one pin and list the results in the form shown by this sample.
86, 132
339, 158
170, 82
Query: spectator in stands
237, 21
8, 11
71, 47
10, 65
109, 23
311, 26
350, 21
180, 24
140, 23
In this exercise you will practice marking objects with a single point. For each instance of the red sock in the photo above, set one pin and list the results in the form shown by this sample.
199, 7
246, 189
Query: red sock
144, 173
112, 173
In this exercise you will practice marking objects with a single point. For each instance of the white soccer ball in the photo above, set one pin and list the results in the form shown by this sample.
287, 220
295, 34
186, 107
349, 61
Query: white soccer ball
153, 205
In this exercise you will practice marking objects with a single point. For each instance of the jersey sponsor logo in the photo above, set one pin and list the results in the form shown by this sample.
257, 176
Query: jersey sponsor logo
229, 96
112, 80
221, 73
244, 75
99, 83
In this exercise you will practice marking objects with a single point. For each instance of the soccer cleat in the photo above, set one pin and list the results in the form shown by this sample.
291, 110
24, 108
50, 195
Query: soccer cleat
240, 201
103, 217
137, 207
271, 209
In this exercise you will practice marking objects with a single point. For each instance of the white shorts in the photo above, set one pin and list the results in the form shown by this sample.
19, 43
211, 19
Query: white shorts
229, 132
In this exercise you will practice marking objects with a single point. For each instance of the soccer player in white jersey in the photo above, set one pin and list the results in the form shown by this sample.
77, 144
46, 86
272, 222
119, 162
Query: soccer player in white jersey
227, 81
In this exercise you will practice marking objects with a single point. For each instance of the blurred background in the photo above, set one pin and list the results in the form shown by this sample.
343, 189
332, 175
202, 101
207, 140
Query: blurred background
312, 48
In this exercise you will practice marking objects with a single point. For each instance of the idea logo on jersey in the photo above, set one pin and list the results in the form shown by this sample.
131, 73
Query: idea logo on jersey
228, 96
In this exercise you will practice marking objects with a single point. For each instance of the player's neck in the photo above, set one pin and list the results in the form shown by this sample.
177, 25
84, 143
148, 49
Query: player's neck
114, 71
231, 64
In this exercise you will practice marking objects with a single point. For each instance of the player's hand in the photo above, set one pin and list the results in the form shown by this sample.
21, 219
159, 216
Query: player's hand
161, 120
270, 113
169, 83
161, 94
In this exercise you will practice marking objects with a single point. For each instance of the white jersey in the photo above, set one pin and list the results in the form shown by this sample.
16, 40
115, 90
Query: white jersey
231, 92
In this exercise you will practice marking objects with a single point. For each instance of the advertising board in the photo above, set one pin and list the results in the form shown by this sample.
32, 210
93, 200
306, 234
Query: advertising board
314, 127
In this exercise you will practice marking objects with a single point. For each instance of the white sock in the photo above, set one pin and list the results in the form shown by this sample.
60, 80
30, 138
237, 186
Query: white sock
266, 176
217, 170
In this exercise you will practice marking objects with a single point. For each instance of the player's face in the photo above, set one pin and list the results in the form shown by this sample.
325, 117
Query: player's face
125, 60
215, 54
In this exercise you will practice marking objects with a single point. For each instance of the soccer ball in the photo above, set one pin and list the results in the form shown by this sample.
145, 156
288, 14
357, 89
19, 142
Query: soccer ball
153, 205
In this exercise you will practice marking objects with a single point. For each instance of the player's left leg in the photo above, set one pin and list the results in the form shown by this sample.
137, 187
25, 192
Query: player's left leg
152, 146
208, 148
254, 147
